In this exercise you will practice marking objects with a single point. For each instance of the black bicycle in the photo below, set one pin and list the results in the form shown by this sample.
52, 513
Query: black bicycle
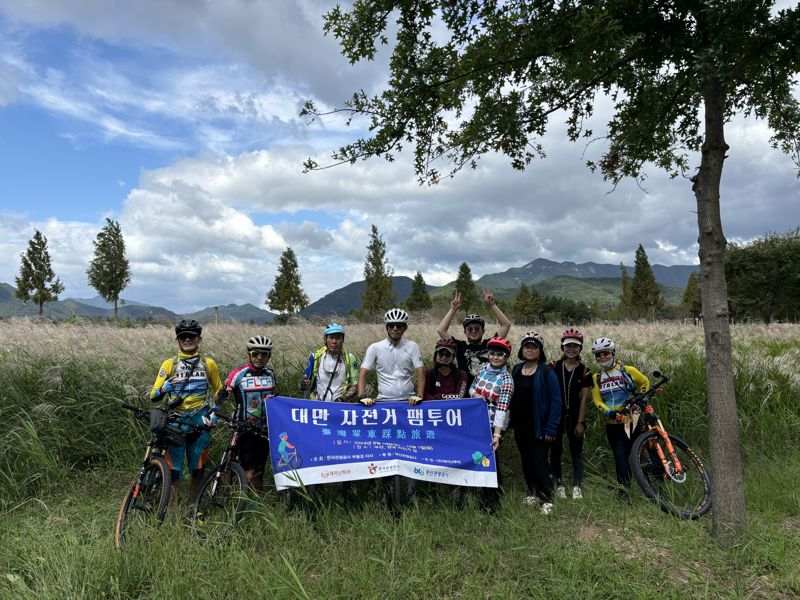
222, 496
669, 472
145, 504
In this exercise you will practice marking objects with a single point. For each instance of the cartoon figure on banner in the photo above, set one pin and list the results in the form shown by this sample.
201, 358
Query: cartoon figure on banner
287, 459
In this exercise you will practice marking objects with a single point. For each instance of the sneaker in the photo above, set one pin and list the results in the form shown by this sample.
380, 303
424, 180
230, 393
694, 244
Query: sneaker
530, 501
561, 492
547, 508
577, 494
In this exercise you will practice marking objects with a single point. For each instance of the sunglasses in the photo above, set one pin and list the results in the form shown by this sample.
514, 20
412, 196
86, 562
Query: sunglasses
258, 354
187, 337
495, 354
603, 353
396, 325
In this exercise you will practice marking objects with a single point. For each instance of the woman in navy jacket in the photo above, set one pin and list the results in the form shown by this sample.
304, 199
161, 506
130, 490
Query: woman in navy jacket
535, 415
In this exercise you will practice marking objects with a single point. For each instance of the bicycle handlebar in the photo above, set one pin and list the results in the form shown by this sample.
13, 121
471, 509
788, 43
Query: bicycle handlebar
644, 397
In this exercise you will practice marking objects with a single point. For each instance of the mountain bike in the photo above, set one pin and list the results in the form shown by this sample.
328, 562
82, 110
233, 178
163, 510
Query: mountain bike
669, 472
221, 498
146, 501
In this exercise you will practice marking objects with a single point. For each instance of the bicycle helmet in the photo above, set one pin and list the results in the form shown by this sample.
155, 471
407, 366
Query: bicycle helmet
572, 336
333, 328
532, 337
601, 344
188, 326
499, 343
259, 342
446, 344
395, 315
473, 319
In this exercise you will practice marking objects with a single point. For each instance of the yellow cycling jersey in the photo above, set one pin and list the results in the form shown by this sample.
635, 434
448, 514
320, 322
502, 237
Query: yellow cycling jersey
190, 377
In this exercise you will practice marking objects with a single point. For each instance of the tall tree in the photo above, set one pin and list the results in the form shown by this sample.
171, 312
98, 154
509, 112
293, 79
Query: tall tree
625, 299
764, 277
645, 292
469, 78
691, 296
109, 271
287, 294
470, 300
378, 285
419, 299
520, 306
37, 281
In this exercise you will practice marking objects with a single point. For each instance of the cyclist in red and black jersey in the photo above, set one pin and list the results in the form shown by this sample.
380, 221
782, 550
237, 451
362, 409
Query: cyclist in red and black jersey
252, 385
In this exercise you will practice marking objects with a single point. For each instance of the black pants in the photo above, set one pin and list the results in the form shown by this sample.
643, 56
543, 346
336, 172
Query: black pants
576, 455
533, 453
621, 446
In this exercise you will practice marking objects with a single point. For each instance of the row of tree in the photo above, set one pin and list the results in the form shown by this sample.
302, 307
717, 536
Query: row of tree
763, 276
109, 270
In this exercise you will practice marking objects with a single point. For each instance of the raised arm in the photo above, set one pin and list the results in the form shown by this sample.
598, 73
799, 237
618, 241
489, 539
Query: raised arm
491, 304
455, 303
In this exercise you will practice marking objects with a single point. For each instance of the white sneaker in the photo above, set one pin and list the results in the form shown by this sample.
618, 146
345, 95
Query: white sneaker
577, 494
561, 492
530, 501
547, 508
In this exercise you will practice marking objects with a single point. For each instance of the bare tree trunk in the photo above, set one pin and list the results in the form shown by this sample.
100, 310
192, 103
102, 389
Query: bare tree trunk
116, 312
729, 514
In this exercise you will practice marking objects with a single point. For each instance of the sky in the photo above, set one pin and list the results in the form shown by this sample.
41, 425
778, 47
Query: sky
180, 120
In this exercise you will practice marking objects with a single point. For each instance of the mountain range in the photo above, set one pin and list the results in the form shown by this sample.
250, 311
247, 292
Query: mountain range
584, 281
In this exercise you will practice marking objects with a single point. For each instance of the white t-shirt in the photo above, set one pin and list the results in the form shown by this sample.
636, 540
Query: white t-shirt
396, 368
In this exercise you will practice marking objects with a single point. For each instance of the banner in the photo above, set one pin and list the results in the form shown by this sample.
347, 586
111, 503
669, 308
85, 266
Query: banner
446, 441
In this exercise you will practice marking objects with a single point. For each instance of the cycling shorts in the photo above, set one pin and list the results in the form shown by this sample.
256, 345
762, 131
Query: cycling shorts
252, 451
195, 447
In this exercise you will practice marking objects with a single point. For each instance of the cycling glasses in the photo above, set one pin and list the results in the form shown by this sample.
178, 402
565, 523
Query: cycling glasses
496, 354
603, 353
396, 325
187, 337
259, 354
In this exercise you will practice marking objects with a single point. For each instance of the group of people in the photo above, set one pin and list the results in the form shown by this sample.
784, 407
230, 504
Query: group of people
542, 401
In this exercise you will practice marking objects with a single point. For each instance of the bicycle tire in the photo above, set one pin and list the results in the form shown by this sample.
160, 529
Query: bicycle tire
686, 494
295, 461
220, 502
146, 500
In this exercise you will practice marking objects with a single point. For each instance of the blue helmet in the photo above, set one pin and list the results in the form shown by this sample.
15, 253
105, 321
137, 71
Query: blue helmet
333, 328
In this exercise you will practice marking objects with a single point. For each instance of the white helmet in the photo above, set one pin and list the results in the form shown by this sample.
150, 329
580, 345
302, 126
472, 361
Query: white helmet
601, 344
395, 315
259, 342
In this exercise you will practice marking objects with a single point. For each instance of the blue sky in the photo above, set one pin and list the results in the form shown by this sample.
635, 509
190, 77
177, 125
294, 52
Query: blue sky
180, 120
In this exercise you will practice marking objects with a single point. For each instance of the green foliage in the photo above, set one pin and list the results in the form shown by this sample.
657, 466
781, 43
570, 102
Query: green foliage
764, 277
527, 305
645, 292
470, 300
378, 286
419, 299
287, 295
37, 281
109, 271
691, 297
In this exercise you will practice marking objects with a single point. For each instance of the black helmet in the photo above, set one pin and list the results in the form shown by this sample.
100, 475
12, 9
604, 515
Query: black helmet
188, 326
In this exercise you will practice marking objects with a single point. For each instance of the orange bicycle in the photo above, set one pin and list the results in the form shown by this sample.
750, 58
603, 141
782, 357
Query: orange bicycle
669, 472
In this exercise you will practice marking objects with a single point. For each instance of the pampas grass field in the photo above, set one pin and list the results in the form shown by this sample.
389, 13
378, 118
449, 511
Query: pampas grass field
67, 453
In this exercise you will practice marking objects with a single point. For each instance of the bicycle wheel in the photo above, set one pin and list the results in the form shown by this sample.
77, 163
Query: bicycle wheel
145, 504
220, 502
295, 461
684, 492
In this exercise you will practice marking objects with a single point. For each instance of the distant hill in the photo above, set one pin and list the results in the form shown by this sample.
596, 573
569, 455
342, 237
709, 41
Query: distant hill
244, 313
541, 269
340, 302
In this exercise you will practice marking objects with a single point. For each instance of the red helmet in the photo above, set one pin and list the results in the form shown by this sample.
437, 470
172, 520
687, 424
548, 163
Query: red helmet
500, 343
572, 336
447, 344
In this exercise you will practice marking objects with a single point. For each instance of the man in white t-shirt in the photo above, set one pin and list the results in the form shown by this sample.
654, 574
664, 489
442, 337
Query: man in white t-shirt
395, 361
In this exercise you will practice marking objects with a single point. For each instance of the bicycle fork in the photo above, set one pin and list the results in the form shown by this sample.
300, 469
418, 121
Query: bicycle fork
676, 467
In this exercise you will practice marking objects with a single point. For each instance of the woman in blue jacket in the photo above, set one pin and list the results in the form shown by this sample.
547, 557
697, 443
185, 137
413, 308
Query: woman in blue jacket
535, 415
